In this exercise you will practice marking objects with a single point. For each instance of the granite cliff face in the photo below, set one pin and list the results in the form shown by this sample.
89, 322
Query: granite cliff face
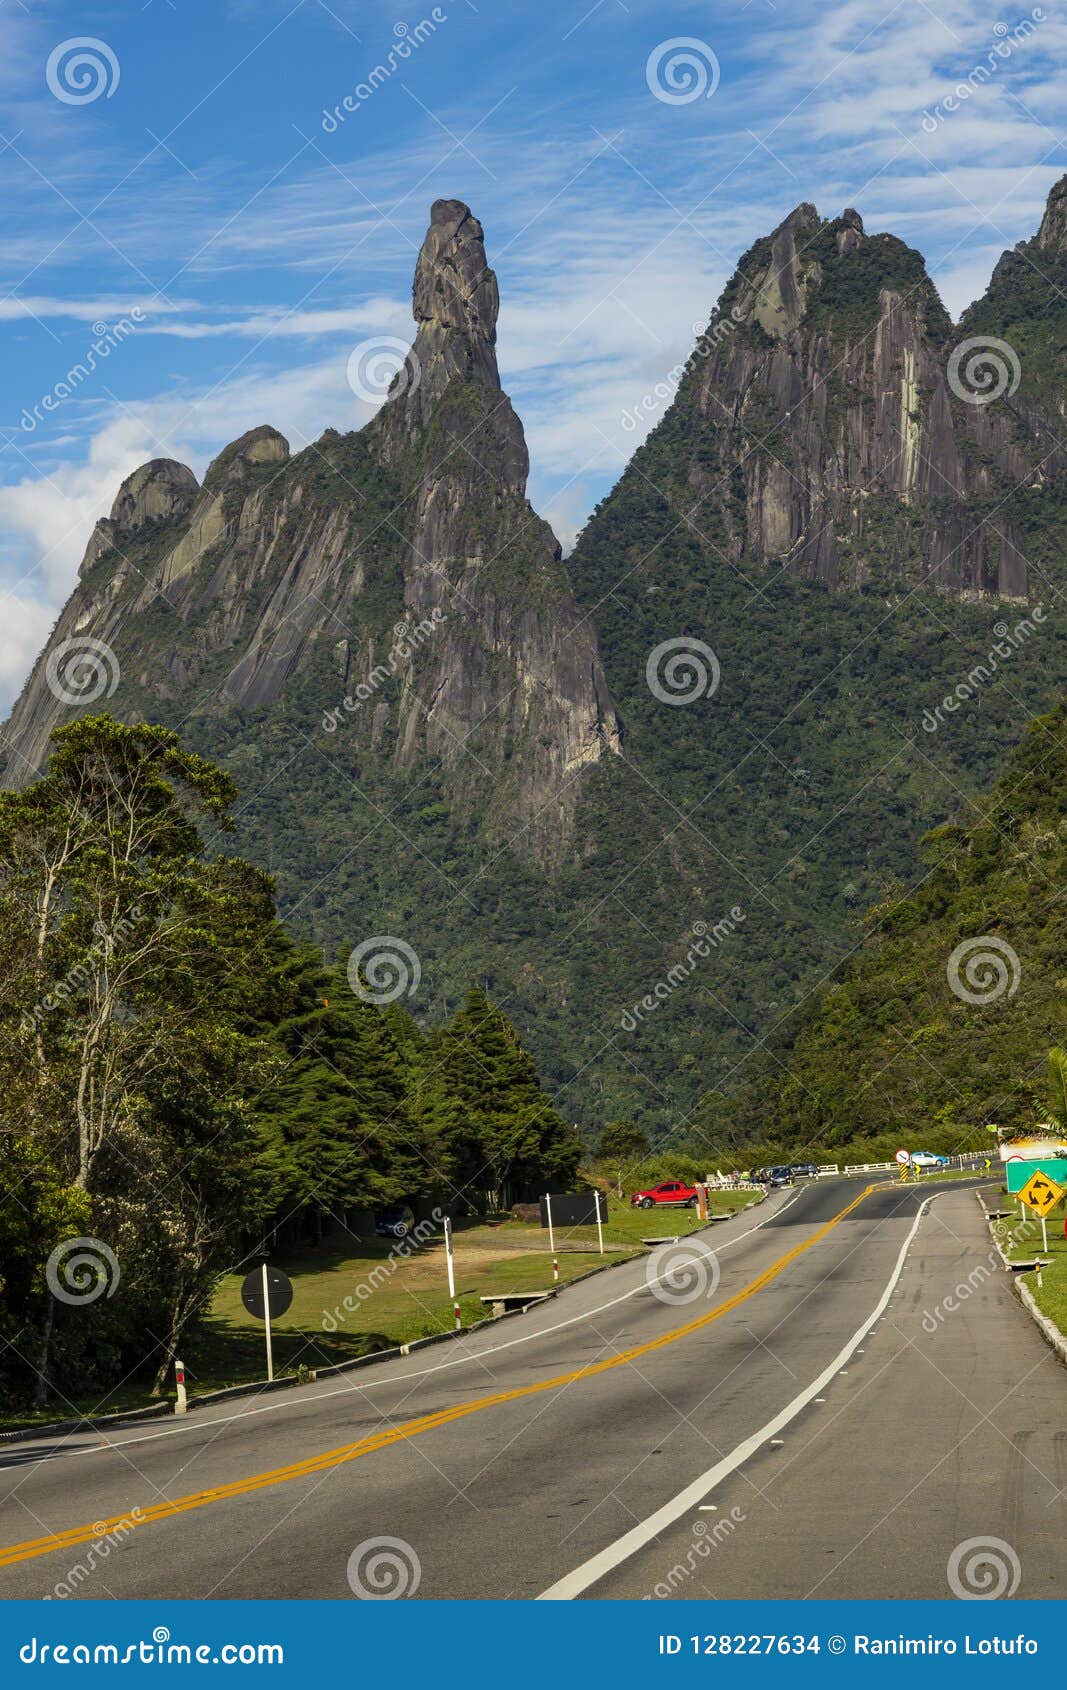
834, 423
407, 554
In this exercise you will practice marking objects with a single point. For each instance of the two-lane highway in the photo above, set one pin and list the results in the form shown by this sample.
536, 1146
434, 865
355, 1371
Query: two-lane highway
806, 1415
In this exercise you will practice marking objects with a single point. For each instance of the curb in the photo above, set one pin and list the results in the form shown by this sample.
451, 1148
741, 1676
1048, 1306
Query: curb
102, 1422
1044, 1323
54, 1428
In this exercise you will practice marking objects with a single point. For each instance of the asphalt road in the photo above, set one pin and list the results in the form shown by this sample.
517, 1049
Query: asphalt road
800, 1416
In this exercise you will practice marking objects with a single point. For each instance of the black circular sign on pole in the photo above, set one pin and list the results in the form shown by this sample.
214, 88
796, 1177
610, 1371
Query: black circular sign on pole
279, 1293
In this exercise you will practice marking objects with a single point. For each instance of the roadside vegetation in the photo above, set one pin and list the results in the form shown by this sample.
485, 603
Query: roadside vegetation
184, 1085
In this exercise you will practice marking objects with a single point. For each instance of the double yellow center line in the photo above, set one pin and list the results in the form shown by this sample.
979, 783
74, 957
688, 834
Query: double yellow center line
410, 1428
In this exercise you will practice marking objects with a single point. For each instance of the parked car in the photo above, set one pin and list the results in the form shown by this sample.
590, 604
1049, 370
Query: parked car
927, 1159
804, 1170
778, 1176
396, 1221
671, 1194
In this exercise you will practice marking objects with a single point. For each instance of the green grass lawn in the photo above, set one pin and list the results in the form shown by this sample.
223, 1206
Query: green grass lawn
393, 1298
1051, 1295
368, 1299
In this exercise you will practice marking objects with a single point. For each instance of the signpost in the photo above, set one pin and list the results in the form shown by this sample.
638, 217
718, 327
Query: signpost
267, 1293
1041, 1194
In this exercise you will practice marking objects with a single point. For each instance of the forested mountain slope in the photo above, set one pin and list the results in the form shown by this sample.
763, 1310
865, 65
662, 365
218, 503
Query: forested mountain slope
723, 716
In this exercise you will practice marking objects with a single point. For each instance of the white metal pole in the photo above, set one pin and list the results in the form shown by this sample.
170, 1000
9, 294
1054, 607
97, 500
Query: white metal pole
599, 1225
266, 1324
551, 1234
1044, 1234
448, 1259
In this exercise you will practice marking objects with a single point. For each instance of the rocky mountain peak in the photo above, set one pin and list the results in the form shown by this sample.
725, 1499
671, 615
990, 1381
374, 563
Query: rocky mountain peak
284, 578
455, 302
454, 286
849, 232
1052, 235
779, 298
262, 445
160, 491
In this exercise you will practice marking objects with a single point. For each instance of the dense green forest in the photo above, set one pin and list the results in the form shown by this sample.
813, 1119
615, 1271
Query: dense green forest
799, 792
182, 1081
942, 1021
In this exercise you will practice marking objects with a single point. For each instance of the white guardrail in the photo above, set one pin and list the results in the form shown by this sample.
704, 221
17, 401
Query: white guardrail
832, 1170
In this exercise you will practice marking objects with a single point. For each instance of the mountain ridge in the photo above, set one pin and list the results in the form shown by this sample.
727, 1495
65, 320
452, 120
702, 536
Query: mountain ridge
558, 817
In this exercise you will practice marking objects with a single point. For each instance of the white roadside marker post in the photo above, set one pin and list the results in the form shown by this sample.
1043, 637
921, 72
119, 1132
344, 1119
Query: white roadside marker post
266, 1325
182, 1404
451, 1272
599, 1224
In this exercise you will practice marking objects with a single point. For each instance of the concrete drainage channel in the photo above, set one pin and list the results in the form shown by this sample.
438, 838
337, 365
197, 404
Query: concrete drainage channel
1018, 1270
261, 1387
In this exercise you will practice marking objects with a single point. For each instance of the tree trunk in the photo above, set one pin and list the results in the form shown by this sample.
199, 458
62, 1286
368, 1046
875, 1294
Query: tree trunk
40, 1394
178, 1319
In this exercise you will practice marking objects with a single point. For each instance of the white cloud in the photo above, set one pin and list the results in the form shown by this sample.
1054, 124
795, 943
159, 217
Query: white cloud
43, 306
25, 624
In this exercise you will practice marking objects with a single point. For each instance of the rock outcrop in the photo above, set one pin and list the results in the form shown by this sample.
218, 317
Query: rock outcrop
832, 421
236, 595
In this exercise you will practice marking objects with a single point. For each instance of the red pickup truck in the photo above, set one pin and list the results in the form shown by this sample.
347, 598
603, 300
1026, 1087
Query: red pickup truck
672, 1193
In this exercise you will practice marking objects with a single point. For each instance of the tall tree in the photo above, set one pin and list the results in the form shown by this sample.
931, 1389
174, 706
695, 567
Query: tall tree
126, 954
483, 1105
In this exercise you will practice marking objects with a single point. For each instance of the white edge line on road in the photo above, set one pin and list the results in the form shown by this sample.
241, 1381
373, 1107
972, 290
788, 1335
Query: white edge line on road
198, 1423
639, 1536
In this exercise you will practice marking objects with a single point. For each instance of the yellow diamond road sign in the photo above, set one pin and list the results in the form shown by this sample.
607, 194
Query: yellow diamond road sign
1041, 1194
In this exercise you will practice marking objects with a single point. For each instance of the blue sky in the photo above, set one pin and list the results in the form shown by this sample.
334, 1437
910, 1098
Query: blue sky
200, 199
